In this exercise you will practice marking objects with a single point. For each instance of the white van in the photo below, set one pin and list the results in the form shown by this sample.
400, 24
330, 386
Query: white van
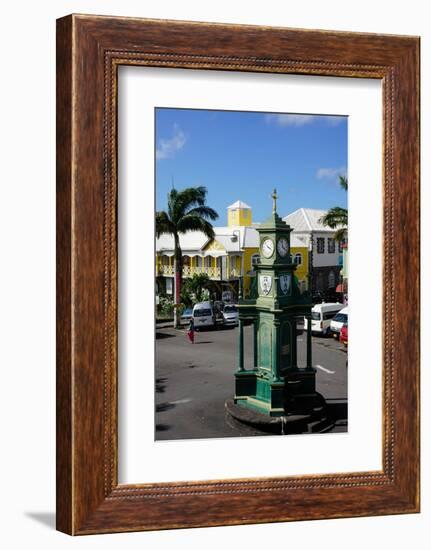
203, 315
321, 316
338, 321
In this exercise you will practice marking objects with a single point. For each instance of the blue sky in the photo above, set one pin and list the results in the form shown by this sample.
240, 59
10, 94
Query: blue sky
244, 155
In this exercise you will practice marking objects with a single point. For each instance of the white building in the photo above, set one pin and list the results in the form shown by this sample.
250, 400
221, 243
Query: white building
326, 253
226, 259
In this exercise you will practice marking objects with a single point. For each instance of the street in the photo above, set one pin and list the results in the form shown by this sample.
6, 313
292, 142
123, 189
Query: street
193, 381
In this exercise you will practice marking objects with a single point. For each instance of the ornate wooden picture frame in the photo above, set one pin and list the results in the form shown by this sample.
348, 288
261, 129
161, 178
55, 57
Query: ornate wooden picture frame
89, 51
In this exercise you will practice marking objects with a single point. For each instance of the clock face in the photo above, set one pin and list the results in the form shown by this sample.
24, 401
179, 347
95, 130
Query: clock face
267, 248
283, 246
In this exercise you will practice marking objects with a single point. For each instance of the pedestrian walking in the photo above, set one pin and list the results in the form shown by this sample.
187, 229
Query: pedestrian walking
191, 331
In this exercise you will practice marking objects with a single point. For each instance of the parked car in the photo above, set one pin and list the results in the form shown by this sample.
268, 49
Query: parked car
204, 315
187, 314
344, 334
230, 315
338, 321
321, 316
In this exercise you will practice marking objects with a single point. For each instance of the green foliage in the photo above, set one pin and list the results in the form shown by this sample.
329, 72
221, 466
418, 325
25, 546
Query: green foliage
166, 306
343, 182
186, 296
195, 289
187, 211
335, 217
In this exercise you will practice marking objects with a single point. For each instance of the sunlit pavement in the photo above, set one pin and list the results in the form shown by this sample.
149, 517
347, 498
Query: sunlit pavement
193, 381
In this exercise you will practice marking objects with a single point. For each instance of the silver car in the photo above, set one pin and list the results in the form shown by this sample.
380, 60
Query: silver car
230, 315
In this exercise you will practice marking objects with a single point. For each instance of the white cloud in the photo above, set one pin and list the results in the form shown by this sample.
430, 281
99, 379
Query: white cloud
302, 120
289, 120
334, 120
168, 147
330, 174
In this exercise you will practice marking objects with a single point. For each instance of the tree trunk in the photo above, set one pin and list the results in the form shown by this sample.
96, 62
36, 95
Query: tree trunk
178, 280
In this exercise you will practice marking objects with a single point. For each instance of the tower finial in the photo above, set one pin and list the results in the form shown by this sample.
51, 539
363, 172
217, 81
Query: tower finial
274, 197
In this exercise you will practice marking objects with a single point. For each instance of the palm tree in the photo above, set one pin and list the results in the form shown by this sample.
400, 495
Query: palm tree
186, 211
343, 182
337, 217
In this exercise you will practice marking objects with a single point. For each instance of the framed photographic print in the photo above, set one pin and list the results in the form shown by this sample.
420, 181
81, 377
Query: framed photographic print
237, 274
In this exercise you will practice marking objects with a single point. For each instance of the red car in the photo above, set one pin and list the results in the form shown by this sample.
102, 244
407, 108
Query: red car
344, 334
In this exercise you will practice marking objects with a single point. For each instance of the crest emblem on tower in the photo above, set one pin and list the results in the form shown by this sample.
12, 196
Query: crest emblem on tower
265, 283
285, 282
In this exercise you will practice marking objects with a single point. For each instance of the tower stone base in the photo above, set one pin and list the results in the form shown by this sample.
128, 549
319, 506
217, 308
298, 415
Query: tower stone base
294, 394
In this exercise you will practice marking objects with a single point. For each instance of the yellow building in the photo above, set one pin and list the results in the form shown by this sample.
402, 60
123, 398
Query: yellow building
299, 252
226, 259
239, 213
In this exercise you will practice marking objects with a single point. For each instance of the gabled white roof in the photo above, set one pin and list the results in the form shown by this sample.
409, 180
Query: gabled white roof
306, 220
238, 204
251, 238
189, 242
231, 238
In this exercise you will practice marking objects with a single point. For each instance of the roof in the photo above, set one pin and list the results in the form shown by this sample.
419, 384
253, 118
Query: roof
227, 236
189, 241
307, 219
238, 204
195, 241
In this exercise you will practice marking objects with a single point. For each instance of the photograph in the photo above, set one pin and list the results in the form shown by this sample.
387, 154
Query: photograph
251, 273
214, 240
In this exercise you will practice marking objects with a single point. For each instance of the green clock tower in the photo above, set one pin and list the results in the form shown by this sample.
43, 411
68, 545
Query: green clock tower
276, 386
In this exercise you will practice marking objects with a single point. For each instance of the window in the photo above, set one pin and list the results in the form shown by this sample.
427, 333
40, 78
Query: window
202, 313
320, 245
328, 315
207, 261
169, 285
341, 318
198, 261
331, 245
298, 259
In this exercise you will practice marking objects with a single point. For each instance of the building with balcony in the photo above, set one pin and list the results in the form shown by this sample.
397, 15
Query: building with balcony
227, 258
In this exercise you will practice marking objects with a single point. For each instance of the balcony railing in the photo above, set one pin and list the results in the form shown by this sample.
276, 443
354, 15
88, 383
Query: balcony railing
212, 272
168, 271
165, 270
